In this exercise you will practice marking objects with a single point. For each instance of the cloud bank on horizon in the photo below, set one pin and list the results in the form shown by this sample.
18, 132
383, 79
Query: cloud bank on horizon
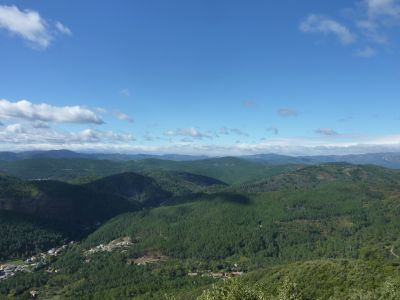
125, 106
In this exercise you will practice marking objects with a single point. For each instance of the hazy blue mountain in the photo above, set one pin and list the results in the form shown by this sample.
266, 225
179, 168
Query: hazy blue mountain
277, 159
388, 160
10, 156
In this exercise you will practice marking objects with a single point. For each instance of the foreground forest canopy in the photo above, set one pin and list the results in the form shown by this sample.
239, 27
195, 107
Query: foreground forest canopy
220, 228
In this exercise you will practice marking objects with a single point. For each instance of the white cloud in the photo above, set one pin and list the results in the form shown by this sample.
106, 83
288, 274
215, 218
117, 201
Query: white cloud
29, 25
63, 29
93, 136
386, 8
24, 109
325, 25
188, 132
40, 124
122, 116
100, 110
86, 141
370, 20
169, 133
15, 128
366, 52
18, 134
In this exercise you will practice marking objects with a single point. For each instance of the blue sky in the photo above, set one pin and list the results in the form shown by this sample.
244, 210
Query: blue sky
200, 77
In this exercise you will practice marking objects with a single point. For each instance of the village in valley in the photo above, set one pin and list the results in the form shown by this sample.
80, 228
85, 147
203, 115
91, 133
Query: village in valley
42, 259
9, 269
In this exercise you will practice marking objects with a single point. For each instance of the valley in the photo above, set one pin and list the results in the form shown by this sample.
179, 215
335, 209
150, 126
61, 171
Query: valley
173, 231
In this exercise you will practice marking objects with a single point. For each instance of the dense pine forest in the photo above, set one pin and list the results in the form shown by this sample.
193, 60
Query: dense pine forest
224, 228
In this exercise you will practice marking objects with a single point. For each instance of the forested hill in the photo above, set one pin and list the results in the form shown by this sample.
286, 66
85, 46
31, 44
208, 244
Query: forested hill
134, 187
184, 183
280, 233
228, 169
38, 215
312, 176
71, 204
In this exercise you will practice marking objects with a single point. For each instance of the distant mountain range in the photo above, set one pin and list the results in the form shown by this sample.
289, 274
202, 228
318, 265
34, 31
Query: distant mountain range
11, 156
388, 160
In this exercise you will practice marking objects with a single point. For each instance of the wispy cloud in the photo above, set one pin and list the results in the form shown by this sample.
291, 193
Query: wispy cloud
376, 16
287, 112
346, 119
383, 8
366, 52
326, 131
125, 93
23, 134
226, 131
88, 140
187, 132
238, 131
63, 29
14, 128
325, 25
24, 109
29, 25
369, 23
122, 116
273, 130
370, 30
148, 137
40, 124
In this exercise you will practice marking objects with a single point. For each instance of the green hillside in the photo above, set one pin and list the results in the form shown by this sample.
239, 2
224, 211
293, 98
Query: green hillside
334, 279
328, 221
316, 232
78, 170
24, 236
64, 169
132, 186
37, 215
183, 183
227, 169
74, 205
313, 176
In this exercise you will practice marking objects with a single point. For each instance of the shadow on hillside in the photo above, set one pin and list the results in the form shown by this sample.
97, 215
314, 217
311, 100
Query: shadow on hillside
220, 197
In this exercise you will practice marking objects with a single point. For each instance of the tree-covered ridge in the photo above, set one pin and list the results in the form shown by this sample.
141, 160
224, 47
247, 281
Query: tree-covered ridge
38, 215
132, 186
62, 169
317, 279
226, 169
312, 176
334, 220
183, 183
23, 236
72, 204
230, 170
335, 234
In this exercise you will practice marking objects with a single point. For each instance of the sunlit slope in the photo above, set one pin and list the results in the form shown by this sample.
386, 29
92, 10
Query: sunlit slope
337, 219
